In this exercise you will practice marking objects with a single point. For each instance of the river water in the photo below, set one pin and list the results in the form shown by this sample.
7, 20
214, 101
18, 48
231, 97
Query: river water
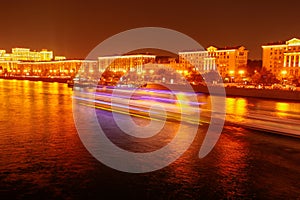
42, 156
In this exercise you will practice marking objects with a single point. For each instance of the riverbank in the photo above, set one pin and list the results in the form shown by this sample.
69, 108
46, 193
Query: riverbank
230, 91
237, 92
38, 78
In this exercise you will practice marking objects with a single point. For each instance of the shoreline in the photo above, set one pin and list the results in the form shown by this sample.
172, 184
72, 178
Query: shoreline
230, 91
32, 78
237, 92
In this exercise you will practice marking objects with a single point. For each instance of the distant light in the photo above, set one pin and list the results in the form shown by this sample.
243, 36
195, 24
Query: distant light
284, 72
241, 72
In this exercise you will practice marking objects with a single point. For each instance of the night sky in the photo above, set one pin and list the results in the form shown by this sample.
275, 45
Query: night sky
73, 28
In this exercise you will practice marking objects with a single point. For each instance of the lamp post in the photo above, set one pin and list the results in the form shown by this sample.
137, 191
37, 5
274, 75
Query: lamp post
231, 73
241, 73
283, 72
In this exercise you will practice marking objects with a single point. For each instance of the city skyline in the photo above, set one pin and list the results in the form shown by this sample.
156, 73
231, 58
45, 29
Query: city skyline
228, 61
74, 28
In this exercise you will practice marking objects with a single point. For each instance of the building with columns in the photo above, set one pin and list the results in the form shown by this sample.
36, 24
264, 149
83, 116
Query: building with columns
227, 61
283, 59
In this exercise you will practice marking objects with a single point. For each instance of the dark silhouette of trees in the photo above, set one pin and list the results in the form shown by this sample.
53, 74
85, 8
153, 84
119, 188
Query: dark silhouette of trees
212, 76
264, 77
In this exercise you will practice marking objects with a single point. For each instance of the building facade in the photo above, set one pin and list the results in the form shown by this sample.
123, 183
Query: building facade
25, 54
45, 68
227, 61
125, 63
283, 59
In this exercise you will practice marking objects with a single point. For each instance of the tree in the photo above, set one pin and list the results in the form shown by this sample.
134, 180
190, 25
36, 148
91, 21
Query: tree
212, 76
265, 77
254, 66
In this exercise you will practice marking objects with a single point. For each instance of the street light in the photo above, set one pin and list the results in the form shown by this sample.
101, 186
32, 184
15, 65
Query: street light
283, 72
231, 72
241, 72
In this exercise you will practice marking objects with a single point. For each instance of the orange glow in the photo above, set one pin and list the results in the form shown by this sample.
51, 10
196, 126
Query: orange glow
236, 109
283, 108
284, 72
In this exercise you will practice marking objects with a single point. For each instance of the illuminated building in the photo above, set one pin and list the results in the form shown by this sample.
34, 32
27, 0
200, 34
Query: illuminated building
227, 61
124, 63
44, 68
60, 58
24, 54
8, 67
155, 73
283, 58
45, 55
2, 53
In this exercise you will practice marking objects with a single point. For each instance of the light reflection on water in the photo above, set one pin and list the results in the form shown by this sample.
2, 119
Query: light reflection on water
282, 108
236, 107
43, 158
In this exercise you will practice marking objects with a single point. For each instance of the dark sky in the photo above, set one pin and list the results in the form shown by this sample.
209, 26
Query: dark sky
73, 28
